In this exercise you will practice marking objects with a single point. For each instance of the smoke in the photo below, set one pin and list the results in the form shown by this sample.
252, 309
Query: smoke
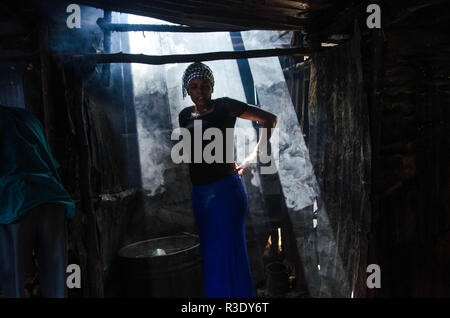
296, 173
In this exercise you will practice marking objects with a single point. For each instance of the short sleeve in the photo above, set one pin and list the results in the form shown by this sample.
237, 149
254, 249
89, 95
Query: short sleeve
234, 107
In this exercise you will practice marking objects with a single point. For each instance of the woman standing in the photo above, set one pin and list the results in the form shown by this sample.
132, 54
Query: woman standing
219, 198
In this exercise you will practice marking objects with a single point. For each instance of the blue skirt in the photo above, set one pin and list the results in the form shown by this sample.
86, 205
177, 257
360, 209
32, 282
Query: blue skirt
220, 209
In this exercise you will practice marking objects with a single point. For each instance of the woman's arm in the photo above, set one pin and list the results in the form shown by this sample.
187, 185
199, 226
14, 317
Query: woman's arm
268, 121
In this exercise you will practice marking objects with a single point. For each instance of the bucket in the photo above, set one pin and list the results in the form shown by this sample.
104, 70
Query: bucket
165, 267
277, 278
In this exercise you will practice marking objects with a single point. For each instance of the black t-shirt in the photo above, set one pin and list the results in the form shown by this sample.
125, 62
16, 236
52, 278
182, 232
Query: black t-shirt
223, 116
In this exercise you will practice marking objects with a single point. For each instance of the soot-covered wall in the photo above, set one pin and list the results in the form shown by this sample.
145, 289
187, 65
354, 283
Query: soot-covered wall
339, 143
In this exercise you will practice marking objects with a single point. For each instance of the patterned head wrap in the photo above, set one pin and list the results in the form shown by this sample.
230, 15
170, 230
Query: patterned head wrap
196, 70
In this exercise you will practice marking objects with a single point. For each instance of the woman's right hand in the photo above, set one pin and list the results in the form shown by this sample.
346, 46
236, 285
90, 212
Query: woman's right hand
238, 169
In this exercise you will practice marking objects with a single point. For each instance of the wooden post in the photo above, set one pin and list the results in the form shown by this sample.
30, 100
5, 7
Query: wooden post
106, 69
375, 127
94, 264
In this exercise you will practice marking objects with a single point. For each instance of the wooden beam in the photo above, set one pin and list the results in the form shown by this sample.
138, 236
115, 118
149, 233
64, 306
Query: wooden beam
118, 27
296, 66
253, 8
299, 5
284, 8
181, 58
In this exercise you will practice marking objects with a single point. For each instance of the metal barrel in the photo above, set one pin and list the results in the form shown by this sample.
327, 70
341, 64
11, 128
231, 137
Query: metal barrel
165, 267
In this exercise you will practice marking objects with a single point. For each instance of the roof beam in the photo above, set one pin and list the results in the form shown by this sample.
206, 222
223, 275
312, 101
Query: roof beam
121, 27
181, 58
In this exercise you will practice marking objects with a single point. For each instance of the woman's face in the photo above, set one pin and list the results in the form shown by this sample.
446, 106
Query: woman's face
200, 91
